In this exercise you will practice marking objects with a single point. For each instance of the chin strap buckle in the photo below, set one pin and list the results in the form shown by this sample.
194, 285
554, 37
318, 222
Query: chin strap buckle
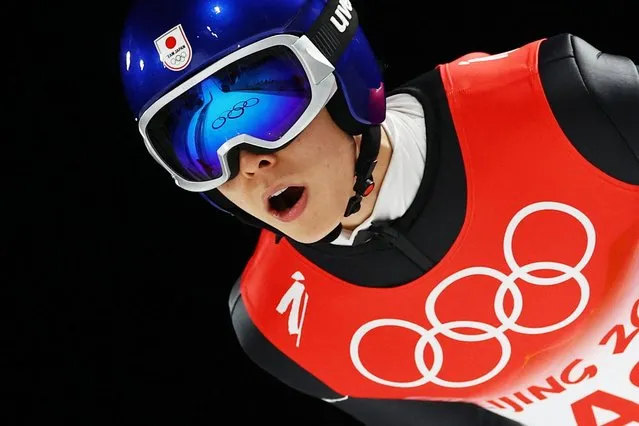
364, 185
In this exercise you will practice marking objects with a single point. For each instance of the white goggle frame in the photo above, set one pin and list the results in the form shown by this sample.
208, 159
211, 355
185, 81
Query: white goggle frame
323, 86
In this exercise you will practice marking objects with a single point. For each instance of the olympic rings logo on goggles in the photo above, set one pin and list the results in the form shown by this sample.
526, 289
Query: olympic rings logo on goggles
262, 95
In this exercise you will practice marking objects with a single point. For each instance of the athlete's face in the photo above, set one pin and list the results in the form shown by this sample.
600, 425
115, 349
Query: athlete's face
315, 173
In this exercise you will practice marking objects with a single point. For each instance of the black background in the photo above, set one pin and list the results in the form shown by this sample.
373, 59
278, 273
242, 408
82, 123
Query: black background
118, 280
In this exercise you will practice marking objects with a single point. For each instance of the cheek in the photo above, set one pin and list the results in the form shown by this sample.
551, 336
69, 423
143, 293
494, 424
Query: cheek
338, 172
233, 191
342, 170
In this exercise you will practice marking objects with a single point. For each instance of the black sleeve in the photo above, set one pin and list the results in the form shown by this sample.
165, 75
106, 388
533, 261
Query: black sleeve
368, 412
595, 98
420, 413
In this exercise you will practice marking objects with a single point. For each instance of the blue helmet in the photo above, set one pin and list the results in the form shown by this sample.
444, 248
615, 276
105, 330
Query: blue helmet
203, 77
215, 29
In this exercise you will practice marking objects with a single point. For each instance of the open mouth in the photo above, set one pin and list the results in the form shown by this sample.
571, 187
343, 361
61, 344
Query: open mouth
288, 203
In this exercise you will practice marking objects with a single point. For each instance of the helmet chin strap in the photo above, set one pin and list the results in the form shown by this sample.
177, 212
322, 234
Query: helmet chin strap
364, 182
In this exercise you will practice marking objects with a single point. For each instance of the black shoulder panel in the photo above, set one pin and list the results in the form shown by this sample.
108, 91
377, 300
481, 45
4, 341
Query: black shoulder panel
595, 99
267, 356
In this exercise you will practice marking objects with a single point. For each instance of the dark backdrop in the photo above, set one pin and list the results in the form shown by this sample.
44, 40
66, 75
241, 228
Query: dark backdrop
119, 280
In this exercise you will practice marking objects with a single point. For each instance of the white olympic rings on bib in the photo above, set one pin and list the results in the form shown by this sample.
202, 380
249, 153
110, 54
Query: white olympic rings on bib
508, 322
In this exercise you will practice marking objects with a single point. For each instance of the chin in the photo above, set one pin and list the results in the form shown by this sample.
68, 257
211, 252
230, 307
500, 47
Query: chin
307, 239
310, 237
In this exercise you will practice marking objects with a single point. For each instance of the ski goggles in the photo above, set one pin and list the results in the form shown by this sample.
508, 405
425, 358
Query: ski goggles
261, 96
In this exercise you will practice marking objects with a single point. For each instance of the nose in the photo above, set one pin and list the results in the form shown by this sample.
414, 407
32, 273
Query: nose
252, 163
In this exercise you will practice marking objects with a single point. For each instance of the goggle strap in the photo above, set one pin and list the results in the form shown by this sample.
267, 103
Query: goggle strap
334, 29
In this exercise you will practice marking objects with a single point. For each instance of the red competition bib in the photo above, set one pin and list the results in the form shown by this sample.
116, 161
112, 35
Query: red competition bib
534, 311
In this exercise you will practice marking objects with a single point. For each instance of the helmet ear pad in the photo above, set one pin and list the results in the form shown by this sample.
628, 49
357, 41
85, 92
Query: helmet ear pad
339, 111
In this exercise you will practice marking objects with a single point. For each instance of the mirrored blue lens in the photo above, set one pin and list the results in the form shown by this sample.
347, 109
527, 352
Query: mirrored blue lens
262, 95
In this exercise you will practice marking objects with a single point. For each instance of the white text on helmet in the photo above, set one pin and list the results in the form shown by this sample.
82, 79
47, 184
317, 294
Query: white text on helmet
343, 12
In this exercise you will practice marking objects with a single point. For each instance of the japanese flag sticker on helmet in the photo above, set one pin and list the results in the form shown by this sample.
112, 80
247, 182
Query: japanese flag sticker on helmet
174, 49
